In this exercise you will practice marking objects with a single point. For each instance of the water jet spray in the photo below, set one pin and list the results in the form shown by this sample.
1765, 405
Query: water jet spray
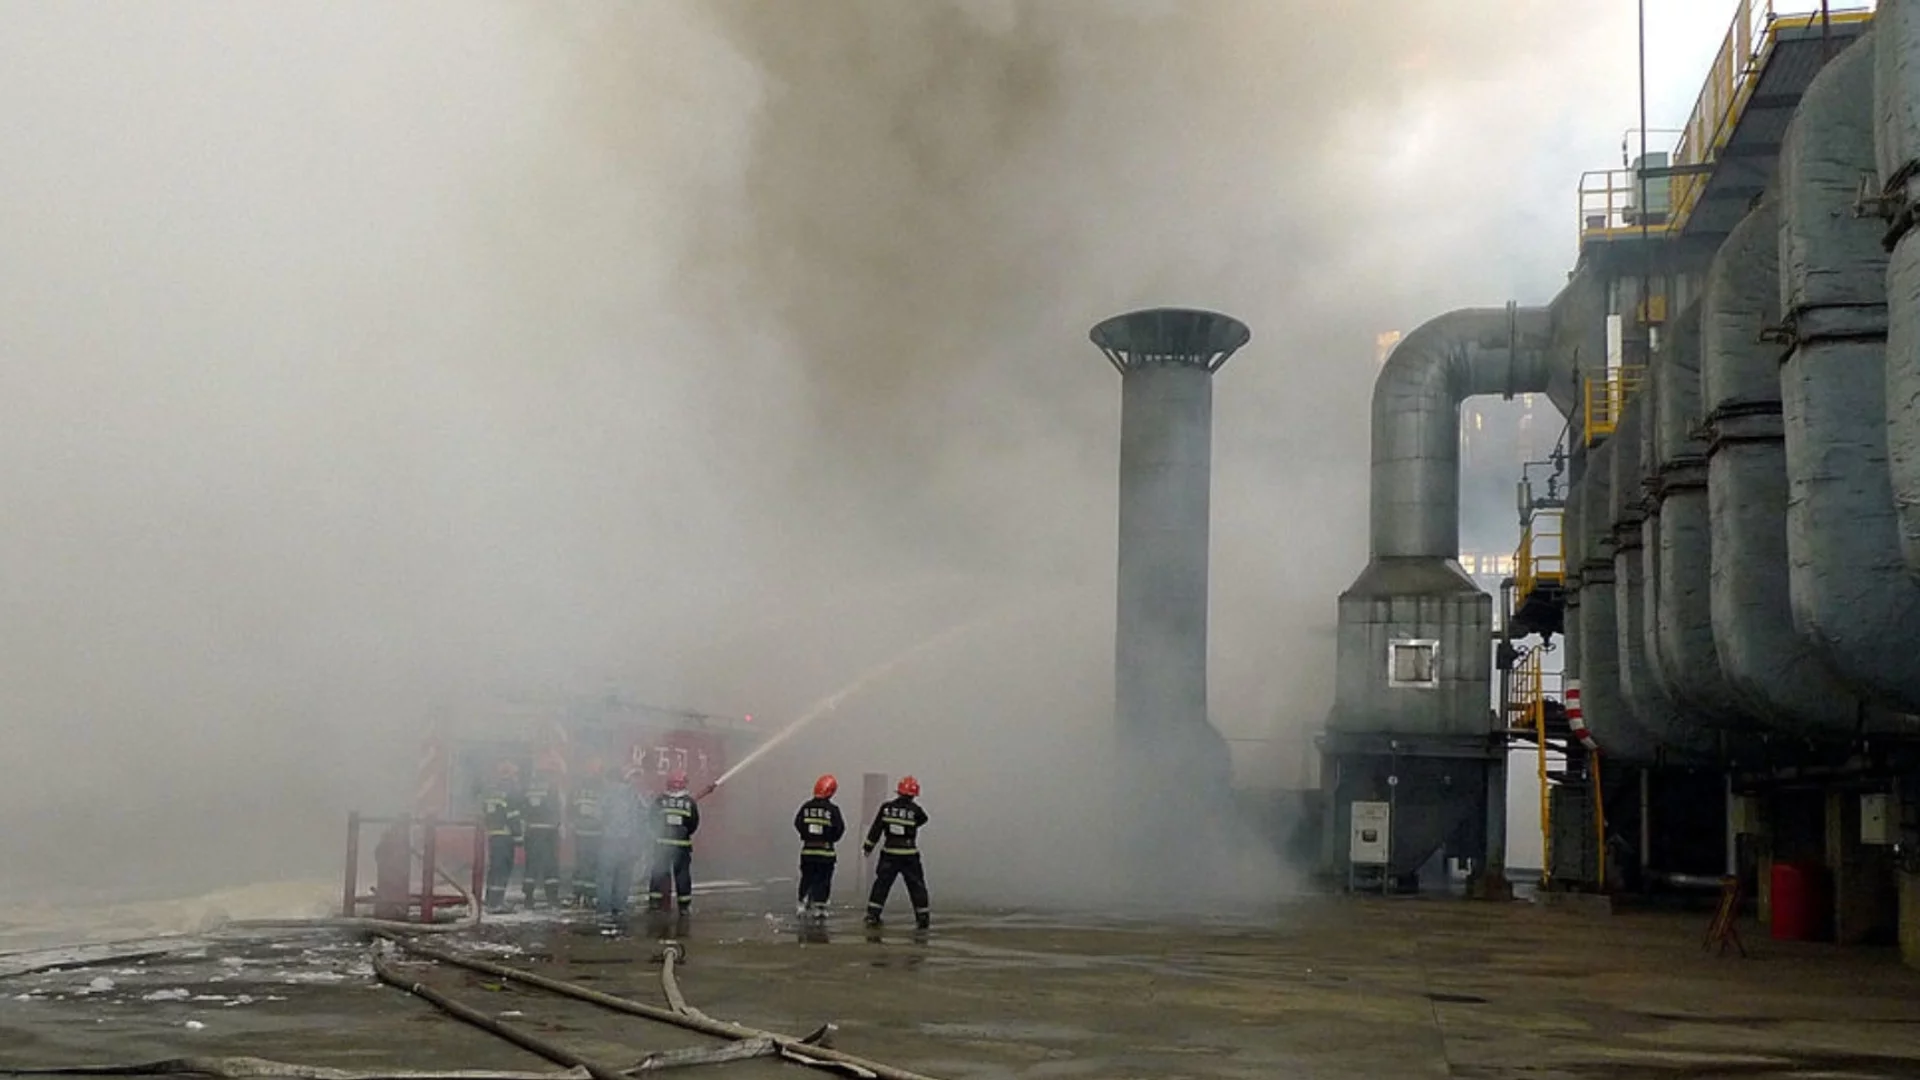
833, 701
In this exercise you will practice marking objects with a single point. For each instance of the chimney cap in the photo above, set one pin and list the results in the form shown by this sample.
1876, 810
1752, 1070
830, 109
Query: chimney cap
1184, 336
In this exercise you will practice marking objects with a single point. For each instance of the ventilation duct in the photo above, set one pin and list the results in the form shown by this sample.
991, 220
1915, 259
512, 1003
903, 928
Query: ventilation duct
1639, 686
1413, 719
1679, 533
1897, 145
1852, 595
1413, 595
1766, 663
1595, 619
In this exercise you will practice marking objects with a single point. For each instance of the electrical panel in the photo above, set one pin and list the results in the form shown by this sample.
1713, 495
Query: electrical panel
1372, 823
1876, 819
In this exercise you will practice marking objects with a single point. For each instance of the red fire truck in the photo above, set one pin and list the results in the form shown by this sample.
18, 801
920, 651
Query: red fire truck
462, 749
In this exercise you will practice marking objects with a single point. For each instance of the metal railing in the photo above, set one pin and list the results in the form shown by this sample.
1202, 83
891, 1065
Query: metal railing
1608, 198
1609, 201
1541, 559
407, 841
1528, 713
1606, 399
1735, 71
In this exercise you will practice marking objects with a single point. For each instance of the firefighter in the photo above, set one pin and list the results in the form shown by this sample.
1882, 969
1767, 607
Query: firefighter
820, 826
585, 822
544, 807
676, 817
501, 809
621, 832
897, 830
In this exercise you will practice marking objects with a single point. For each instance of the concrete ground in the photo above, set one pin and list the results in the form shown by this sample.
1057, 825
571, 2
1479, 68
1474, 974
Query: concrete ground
1321, 988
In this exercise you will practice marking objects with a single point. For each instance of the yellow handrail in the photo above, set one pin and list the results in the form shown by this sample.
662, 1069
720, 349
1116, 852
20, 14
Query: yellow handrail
1608, 201
1607, 198
1731, 78
1541, 559
1599, 818
1530, 686
1606, 400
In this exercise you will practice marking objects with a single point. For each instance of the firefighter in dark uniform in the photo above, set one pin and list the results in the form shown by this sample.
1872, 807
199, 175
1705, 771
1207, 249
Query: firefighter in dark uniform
676, 817
896, 829
544, 802
586, 822
501, 809
820, 826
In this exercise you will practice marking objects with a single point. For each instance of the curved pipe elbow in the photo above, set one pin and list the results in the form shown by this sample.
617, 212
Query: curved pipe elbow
1416, 418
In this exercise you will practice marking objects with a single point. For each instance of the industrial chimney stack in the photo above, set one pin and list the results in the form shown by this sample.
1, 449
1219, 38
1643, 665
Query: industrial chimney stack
1166, 358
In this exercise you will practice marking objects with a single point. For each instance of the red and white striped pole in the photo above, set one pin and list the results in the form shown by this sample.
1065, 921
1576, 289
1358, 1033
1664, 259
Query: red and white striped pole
1576, 719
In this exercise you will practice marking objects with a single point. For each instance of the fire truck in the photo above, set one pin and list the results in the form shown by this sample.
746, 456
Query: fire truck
462, 749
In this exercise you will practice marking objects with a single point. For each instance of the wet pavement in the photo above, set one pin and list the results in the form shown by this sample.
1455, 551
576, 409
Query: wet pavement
1317, 988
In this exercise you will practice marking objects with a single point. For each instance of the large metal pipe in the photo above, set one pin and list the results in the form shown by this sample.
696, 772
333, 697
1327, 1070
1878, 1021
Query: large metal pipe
1774, 673
1896, 94
1644, 694
1679, 533
1851, 592
1640, 686
1596, 623
1416, 419
1413, 595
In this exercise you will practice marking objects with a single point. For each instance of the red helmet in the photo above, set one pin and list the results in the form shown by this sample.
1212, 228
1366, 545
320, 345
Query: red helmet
594, 768
824, 787
909, 787
677, 780
506, 770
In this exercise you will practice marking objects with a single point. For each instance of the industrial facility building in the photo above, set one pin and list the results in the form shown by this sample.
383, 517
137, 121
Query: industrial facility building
1708, 638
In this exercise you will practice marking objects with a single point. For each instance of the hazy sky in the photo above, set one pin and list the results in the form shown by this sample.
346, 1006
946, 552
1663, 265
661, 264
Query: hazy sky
356, 356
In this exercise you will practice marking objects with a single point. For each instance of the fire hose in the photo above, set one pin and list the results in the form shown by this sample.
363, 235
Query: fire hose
801, 1051
253, 1068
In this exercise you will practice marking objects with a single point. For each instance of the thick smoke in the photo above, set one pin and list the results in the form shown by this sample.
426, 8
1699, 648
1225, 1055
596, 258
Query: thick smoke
358, 359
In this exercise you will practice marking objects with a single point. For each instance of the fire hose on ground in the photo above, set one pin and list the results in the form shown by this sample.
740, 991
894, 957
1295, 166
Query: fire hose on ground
806, 1051
744, 1042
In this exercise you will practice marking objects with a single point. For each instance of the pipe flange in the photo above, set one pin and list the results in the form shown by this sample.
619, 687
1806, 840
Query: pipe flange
1744, 422
1683, 474
1815, 323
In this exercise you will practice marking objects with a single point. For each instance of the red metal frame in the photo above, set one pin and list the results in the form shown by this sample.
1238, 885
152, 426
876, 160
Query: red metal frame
425, 899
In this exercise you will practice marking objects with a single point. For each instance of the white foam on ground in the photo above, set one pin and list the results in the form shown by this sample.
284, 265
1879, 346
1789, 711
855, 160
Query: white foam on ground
44, 922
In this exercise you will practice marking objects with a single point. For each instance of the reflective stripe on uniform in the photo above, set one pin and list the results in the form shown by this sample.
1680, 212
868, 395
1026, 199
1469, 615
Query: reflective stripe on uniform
676, 843
899, 851
828, 852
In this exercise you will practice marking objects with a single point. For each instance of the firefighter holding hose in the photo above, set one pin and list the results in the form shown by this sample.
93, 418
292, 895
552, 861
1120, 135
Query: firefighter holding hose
896, 830
676, 817
820, 826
